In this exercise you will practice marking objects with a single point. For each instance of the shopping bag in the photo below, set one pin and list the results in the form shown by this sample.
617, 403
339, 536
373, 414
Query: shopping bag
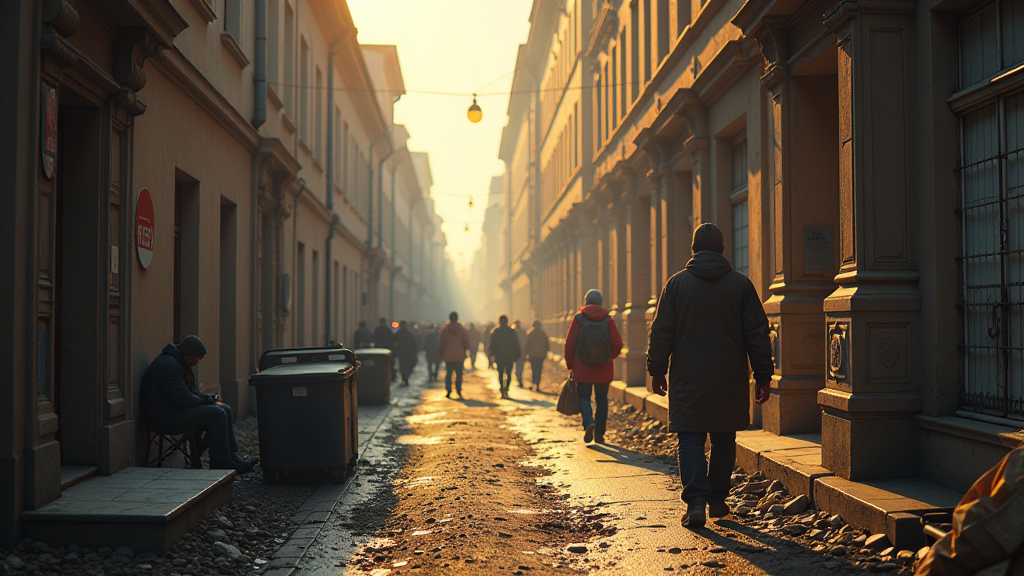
569, 398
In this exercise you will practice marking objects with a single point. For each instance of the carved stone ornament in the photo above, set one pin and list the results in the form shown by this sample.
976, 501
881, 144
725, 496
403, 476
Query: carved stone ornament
131, 49
837, 347
888, 352
773, 336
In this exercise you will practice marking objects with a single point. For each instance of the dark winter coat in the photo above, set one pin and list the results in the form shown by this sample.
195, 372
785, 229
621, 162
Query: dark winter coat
504, 346
383, 337
363, 338
537, 344
430, 346
169, 385
709, 322
591, 373
405, 345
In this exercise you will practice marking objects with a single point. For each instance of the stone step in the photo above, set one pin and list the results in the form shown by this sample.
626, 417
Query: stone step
145, 509
71, 475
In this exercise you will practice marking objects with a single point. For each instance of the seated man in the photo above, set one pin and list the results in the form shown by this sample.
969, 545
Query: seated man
174, 403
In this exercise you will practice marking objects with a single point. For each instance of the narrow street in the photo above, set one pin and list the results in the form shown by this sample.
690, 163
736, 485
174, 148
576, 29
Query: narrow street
484, 486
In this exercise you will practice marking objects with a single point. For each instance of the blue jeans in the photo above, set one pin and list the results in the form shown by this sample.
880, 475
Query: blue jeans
601, 399
701, 478
216, 419
456, 368
505, 375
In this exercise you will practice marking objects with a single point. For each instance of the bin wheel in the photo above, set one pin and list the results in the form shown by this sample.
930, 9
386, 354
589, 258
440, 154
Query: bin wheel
272, 477
337, 475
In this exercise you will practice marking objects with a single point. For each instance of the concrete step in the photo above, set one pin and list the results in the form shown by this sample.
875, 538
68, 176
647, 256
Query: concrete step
71, 475
145, 509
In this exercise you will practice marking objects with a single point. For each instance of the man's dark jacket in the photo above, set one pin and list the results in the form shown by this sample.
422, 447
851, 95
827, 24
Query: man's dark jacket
383, 337
169, 386
709, 321
504, 345
363, 337
430, 346
405, 345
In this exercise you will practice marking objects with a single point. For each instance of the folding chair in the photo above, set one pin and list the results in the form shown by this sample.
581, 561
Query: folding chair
186, 442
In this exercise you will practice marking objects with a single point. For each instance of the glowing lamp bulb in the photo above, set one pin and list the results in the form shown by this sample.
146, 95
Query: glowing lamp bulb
475, 114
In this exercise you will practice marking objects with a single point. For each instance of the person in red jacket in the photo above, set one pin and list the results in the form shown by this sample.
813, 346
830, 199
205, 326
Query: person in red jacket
591, 345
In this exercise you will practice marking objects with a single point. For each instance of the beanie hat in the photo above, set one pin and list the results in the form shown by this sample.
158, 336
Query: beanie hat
192, 346
708, 236
593, 297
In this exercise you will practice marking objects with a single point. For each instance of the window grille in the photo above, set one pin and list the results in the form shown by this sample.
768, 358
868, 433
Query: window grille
991, 216
740, 217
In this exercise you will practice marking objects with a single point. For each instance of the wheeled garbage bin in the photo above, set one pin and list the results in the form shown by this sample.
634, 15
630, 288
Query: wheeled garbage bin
374, 375
306, 412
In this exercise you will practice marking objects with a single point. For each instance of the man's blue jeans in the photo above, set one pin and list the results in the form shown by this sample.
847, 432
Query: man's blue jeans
601, 399
701, 478
453, 368
505, 375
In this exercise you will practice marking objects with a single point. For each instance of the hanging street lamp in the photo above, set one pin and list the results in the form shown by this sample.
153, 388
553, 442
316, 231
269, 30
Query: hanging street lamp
475, 114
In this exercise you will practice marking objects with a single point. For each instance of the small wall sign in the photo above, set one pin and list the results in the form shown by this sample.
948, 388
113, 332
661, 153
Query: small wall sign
144, 227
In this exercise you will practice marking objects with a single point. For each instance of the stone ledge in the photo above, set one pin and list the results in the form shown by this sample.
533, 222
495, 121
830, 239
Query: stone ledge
976, 430
635, 396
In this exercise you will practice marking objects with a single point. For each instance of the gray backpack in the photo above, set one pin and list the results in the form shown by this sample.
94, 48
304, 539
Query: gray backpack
594, 345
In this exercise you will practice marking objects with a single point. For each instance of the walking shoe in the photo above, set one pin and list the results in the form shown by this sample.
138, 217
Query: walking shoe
448, 394
695, 513
599, 438
718, 509
588, 435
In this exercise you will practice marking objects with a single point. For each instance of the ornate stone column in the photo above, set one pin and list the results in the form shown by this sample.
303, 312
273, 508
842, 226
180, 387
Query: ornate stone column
804, 198
872, 320
637, 216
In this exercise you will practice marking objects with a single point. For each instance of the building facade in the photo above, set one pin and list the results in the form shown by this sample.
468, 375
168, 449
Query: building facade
182, 167
860, 159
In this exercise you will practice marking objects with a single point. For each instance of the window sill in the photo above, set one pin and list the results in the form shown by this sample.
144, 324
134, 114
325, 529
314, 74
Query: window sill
1007, 81
234, 49
205, 10
976, 430
273, 97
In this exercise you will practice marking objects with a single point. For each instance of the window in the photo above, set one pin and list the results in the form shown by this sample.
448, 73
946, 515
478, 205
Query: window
273, 44
233, 19
316, 297
598, 116
318, 121
614, 104
303, 91
300, 293
682, 16
634, 52
622, 72
648, 42
346, 178
663, 22
991, 40
289, 61
740, 216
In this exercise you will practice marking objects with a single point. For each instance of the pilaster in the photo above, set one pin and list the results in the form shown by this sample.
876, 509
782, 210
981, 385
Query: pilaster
872, 320
637, 217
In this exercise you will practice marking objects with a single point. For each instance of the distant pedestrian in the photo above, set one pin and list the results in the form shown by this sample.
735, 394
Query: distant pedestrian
591, 345
383, 337
521, 362
709, 324
363, 337
452, 348
474, 345
430, 349
537, 347
406, 350
485, 337
504, 350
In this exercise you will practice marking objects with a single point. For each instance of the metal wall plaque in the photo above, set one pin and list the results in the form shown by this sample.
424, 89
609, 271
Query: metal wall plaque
819, 249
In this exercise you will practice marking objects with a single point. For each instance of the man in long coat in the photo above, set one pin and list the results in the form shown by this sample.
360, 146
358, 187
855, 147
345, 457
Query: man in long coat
709, 322
406, 350
452, 349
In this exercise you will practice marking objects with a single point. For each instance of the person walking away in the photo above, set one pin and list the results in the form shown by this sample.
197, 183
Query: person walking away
485, 338
474, 345
537, 347
709, 323
406, 350
504, 350
591, 345
383, 337
173, 403
430, 349
363, 337
452, 349
521, 362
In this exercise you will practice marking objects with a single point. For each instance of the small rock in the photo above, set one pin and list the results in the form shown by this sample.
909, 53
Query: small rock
923, 551
890, 551
878, 542
815, 534
838, 551
717, 549
217, 535
577, 548
15, 562
504, 535
712, 564
794, 529
775, 509
775, 486
71, 557
226, 550
836, 521
144, 566
795, 506
859, 540
832, 564
755, 486
904, 555
671, 550
225, 523
742, 511
886, 566
124, 551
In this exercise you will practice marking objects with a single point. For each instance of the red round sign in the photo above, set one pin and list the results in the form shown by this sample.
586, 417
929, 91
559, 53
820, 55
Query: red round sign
144, 227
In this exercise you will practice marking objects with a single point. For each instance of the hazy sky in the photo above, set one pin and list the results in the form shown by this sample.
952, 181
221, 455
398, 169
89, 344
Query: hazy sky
452, 46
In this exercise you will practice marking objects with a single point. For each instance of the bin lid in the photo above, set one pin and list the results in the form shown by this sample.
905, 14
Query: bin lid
299, 355
310, 371
372, 352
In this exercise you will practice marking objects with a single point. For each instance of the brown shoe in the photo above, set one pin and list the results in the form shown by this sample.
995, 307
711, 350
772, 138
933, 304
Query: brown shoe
588, 434
718, 509
695, 514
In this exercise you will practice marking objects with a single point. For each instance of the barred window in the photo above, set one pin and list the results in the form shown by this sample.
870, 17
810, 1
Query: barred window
740, 218
991, 210
991, 40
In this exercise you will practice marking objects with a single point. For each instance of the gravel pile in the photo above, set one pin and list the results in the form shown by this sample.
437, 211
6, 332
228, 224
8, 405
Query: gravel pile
237, 540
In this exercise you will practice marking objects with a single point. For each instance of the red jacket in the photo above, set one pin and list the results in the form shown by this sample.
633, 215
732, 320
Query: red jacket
591, 373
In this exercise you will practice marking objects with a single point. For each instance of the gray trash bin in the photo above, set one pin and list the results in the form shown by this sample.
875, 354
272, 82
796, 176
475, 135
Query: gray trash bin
374, 375
307, 414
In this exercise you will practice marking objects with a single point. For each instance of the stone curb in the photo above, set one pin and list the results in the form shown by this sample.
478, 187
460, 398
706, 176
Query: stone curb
891, 507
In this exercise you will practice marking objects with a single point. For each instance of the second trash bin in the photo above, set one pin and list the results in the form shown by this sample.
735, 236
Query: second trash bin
306, 412
374, 375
